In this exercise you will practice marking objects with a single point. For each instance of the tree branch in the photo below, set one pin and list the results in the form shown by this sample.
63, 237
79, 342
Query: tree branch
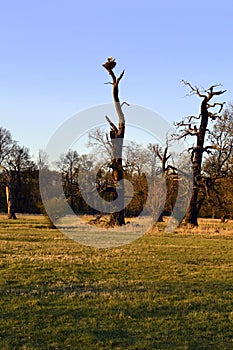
125, 103
216, 104
113, 126
194, 90
208, 149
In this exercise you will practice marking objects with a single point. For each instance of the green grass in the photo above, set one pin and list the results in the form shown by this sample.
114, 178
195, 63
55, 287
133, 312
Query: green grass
163, 291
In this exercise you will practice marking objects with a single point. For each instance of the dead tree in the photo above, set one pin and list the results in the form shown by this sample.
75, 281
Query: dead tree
117, 137
197, 126
9, 195
162, 193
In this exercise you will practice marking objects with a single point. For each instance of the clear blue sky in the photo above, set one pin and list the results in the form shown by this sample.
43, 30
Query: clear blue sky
52, 51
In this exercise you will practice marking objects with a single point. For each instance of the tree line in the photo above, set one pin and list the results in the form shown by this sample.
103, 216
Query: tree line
215, 186
209, 151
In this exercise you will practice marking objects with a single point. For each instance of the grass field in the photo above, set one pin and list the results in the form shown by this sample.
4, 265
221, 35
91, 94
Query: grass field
163, 291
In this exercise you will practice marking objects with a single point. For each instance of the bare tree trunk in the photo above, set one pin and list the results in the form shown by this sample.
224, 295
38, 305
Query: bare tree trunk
192, 213
197, 155
161, 197
9, 196
117, 217
117, 137
9, 200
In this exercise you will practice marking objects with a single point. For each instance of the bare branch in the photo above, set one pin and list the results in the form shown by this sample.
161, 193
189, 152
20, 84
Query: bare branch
156, 151
212, 87
208, 149
120, 76
113, 126
162, 156
125, 103
185, 134
216, 104
188, 130
191, 117
214, 93
194, 90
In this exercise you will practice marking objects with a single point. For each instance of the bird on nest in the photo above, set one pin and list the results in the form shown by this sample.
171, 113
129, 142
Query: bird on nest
110, 63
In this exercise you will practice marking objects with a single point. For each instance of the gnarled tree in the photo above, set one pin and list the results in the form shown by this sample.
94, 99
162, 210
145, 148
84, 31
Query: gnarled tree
117, 137
197, 127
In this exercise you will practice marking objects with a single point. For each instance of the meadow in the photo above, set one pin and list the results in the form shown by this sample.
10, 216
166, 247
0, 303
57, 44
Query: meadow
162, 291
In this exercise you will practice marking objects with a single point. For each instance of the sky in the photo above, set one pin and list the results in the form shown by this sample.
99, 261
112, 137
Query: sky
51, 55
